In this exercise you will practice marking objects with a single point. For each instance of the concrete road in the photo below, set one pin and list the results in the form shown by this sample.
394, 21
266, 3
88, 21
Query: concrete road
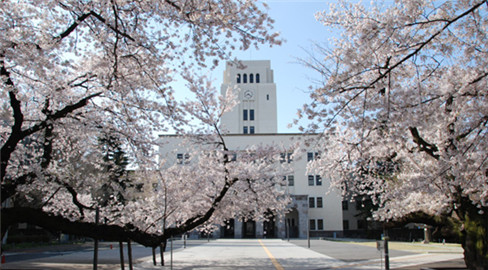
248, 254
278, 254
263, 254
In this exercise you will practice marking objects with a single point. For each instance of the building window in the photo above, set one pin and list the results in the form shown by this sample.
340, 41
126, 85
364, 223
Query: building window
182, 158
310, 180
318, 180
257, 77
345, 224
251, 115
345, 205
314, 180
312, 225
286, 157
361, 224
291, 180
311, 156
311, 202
251, 129
320, 204
267, 97
251, 78
244, 115
244, 78
245, 130
238, 78
320, 224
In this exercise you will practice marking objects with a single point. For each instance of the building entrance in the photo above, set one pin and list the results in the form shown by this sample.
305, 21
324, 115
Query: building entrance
269, 229
229, 229
292, 222
249, 229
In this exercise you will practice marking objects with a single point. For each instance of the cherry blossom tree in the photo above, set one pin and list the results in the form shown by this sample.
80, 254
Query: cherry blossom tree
75, 71
404, 112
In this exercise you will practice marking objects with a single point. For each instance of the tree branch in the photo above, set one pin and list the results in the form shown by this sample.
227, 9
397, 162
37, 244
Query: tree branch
423, 145
11, 216
72, 27
102, 19
17, 134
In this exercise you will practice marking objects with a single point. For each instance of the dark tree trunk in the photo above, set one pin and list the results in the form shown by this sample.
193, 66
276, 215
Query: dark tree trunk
474, 234
121, 253
162, 248
129, 254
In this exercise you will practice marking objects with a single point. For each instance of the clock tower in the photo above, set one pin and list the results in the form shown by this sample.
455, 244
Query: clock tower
256, 91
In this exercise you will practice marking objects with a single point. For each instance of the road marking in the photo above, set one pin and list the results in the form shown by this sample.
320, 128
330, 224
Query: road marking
276, 264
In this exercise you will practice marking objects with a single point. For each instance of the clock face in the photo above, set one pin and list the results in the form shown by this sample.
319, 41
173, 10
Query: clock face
248, 94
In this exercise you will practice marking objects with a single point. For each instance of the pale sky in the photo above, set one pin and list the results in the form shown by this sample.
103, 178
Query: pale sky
295, 20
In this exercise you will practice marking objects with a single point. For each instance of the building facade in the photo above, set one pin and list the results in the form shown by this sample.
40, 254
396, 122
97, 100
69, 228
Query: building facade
314, 210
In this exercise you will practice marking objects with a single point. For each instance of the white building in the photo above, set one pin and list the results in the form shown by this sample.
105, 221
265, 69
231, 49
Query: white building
252, 121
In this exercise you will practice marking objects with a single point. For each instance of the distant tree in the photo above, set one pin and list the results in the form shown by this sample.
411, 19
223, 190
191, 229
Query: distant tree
408, 81
72, 71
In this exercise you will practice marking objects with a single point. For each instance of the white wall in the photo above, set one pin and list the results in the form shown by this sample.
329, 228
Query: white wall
331, 212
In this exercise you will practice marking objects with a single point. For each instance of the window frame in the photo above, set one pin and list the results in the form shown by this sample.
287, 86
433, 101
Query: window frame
345, 205
311, 156
311, 180
318, 180
311, 202
311, 225
321, 204
182, 158
291, 180
320, 224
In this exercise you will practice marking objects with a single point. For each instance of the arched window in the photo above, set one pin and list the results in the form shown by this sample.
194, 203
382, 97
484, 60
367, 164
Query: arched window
238, 78
251, 78
257, 77
244, 78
